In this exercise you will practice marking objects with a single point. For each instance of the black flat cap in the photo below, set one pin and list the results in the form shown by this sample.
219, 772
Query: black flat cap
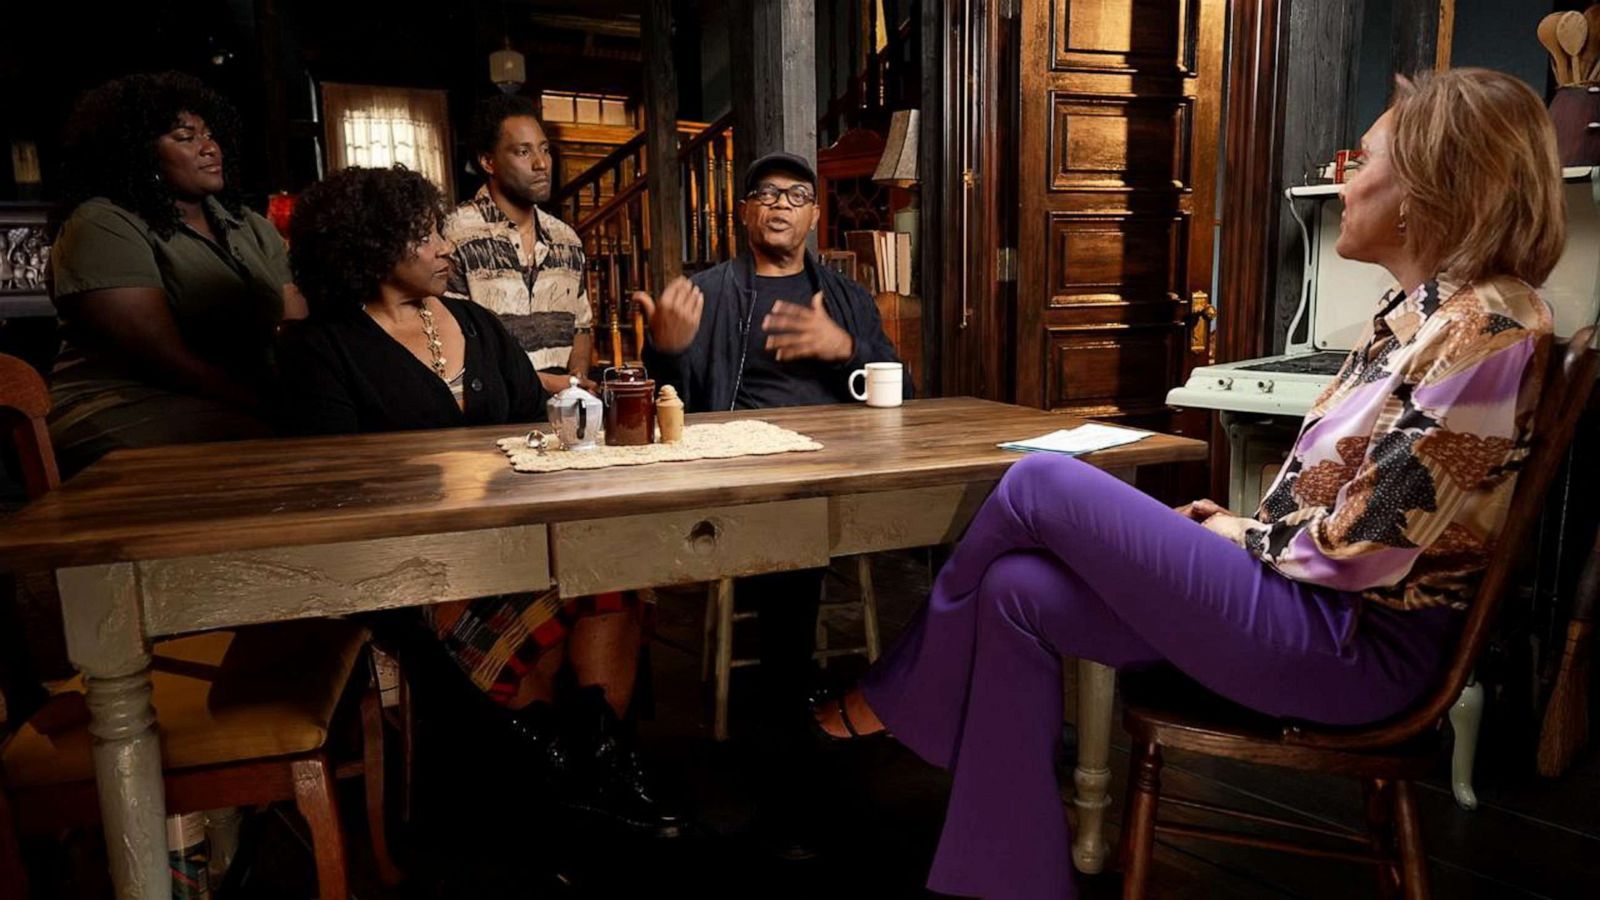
787, 163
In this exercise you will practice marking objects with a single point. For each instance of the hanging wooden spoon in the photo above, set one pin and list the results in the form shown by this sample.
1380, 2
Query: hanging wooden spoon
1548, 26
1573, 32
1591, 47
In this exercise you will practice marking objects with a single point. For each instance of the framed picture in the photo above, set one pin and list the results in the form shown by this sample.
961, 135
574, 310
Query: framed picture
24, 260
841, 261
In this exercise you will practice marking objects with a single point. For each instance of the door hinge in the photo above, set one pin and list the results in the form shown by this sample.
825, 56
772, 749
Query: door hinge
1006, 265
1009, 8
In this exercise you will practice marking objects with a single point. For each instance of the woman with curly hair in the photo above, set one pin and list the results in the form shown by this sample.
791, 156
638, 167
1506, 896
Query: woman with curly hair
383, 351
168, 290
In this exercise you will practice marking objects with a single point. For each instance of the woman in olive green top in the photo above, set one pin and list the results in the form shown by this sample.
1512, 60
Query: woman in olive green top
169, 293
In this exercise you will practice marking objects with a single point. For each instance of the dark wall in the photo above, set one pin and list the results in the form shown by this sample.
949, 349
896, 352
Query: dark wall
50, 52
1346, 55
716, 76
1323, 36
1493, 34
1500, 34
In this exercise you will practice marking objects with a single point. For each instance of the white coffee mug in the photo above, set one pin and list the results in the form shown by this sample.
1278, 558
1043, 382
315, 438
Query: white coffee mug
882, 380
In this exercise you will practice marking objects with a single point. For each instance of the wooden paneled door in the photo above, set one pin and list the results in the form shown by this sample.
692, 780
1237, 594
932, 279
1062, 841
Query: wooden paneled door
1120, 109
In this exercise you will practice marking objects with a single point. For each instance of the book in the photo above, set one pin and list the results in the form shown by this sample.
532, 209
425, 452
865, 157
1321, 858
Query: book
902, 262
886, 270
883, 260
868, 265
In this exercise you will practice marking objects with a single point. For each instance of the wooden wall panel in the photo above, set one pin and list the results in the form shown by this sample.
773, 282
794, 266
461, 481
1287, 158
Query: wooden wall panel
1123, 35
1112, 372
1119, 143
1114, 259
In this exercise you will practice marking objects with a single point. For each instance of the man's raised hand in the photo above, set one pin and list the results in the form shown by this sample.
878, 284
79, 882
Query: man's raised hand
795, 331
675, 318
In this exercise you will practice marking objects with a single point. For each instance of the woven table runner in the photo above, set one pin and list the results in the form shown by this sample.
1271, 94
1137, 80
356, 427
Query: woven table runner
725, 440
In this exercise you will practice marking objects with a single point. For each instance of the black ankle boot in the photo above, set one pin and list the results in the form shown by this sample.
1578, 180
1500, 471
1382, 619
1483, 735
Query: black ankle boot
538, 730
614, 781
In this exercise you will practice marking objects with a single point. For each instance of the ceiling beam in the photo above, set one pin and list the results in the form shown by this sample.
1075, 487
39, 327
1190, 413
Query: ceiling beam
618, 27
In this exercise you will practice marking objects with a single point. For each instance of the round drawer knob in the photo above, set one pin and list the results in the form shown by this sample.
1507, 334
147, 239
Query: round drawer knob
703, 536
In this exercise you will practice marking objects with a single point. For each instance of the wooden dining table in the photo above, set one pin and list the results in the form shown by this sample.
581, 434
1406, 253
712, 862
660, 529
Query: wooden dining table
146, 544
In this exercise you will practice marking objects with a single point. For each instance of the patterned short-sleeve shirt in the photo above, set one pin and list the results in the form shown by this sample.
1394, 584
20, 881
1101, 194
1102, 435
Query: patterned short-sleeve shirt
1399, 483
542, 299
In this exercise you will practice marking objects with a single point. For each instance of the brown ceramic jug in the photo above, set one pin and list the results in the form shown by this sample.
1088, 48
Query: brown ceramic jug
629, 394
1576, 113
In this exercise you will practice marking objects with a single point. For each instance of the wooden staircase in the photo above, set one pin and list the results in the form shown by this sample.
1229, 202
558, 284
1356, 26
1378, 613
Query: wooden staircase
608, 205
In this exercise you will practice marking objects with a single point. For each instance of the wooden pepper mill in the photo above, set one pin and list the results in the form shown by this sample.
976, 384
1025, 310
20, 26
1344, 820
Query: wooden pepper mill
669, 415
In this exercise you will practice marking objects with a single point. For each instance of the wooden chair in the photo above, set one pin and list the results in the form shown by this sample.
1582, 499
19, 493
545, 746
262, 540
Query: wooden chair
244, 716
1386, 756
716, 650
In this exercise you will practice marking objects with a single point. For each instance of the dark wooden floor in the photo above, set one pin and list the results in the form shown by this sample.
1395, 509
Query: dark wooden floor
482, 837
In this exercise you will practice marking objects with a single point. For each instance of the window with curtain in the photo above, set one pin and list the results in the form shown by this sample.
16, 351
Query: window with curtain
367, 125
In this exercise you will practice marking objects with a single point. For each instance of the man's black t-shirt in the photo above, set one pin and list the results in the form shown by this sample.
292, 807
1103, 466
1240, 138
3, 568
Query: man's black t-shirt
766, 382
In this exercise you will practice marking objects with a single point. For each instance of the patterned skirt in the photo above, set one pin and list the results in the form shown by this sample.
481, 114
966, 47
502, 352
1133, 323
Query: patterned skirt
497, 640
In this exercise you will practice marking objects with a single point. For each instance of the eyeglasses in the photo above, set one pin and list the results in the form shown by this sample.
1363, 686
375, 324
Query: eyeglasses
798, 194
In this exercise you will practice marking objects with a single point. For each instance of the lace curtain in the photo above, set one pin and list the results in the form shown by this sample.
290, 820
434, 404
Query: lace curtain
380, 126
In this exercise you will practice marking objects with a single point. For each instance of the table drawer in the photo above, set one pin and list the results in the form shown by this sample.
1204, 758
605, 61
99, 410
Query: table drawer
228, 589
659, 549
895, 520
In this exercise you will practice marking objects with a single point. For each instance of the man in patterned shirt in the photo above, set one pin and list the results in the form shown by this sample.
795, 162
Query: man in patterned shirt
513, 257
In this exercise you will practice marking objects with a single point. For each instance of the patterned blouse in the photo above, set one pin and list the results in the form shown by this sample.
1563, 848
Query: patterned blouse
1400, 480
541, 299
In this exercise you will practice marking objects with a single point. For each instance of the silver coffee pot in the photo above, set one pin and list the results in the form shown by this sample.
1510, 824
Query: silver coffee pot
577, 416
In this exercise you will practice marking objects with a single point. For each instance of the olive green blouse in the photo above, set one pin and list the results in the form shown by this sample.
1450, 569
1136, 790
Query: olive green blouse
226, 296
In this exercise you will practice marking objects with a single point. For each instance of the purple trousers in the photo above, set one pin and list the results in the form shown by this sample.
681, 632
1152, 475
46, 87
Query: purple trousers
1065, 560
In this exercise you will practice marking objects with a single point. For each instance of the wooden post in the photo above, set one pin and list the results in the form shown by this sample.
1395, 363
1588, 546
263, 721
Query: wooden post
1416, 35
1251, 141
774, 65
1255, 112
275, 106
661, 145
936, 165
1447, 35
1327, 36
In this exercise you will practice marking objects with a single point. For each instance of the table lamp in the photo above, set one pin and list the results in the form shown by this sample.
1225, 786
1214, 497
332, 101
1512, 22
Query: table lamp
898, 168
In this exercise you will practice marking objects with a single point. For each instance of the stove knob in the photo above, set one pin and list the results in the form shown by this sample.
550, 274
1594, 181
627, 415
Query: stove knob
1264, 387
1223, 384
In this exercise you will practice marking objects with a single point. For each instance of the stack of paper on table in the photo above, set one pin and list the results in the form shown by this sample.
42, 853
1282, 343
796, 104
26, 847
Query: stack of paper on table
1085, 438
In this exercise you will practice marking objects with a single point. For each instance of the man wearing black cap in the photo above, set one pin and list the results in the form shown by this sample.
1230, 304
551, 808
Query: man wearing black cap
771, 328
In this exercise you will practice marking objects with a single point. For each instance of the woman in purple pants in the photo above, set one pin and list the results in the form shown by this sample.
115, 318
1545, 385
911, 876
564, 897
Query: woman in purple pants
1338, 601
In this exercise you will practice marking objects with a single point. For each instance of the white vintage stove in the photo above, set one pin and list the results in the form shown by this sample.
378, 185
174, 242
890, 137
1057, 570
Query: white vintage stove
1262, 401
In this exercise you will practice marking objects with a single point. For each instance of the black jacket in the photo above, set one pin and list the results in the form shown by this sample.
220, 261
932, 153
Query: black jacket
348, 376
706, 374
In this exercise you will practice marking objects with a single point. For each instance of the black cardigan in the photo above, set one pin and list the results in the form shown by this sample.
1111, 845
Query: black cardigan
347, 375
706, 374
